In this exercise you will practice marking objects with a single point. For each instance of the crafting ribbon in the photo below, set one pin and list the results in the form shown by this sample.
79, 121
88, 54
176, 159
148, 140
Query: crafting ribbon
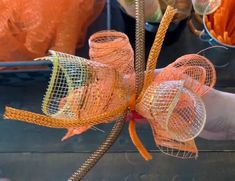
83, 93
30, 28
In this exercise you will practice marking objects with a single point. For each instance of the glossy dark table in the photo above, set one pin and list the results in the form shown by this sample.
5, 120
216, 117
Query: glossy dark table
34, 153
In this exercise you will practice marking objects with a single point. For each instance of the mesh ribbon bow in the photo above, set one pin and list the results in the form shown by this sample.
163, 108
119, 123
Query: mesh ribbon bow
83, 93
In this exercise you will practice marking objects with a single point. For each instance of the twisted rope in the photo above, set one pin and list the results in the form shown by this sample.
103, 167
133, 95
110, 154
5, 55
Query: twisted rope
42, 120
157, 45
102, 149
139, 45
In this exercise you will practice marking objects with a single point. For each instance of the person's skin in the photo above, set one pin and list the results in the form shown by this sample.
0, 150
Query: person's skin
220, 123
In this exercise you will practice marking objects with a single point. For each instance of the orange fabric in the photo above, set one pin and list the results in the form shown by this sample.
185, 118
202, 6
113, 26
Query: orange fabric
197, 71
172, 147
135, 139
75, 131
30, 28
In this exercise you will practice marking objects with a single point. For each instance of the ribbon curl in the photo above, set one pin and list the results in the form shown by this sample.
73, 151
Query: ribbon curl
83, 93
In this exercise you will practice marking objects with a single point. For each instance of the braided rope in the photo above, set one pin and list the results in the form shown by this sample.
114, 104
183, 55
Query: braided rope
157, 45
102, 149
139, 46
43, 120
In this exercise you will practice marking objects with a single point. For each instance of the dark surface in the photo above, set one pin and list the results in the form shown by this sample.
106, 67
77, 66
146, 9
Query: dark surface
34, 153
118, 167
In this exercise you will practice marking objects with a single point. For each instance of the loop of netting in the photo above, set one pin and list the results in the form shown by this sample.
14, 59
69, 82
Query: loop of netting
113, 49
175, 108
197, 71
83, 92
172, 147
82, 89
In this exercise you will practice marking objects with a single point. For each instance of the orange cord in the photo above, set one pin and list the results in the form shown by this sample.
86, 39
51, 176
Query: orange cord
138, 144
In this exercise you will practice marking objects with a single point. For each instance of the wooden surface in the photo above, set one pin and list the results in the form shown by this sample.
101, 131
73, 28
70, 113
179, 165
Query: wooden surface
34, 153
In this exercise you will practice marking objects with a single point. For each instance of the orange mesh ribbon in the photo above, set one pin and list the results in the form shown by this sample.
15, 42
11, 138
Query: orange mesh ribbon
83, 93
30, 28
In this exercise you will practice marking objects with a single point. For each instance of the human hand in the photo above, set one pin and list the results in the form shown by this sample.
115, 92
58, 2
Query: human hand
220, 123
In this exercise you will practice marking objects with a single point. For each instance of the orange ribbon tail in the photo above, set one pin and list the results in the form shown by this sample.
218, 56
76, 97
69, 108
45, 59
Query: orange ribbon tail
135, 139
